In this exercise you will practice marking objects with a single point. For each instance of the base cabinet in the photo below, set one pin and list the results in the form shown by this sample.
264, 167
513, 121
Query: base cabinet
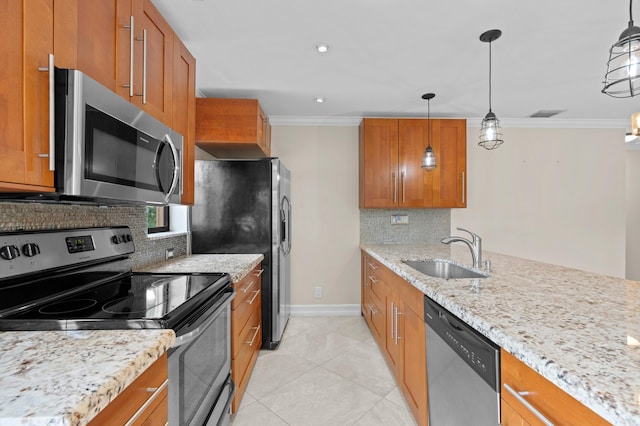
528, 399
394, 311
246, 331
143, 402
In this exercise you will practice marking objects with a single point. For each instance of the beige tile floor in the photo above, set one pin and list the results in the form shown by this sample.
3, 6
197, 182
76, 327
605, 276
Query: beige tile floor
327, 371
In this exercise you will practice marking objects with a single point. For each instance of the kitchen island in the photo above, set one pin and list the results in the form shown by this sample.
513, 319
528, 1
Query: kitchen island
68, 377
579, 330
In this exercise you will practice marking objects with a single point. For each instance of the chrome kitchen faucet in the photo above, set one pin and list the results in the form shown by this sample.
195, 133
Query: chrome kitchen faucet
475, 245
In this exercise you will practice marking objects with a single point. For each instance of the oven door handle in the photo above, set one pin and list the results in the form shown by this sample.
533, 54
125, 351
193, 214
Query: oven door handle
193, 335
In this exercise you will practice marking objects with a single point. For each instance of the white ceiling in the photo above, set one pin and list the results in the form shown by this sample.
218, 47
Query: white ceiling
384, 54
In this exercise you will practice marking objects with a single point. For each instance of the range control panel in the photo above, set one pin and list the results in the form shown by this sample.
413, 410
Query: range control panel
31, 252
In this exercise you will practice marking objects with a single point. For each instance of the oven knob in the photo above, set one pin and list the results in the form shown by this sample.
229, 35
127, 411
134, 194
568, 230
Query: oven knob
30, 249
128, 238
9, 252
115, 239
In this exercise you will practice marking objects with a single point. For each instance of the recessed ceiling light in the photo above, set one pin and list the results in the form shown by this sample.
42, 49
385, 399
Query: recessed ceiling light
320, 100
322, 48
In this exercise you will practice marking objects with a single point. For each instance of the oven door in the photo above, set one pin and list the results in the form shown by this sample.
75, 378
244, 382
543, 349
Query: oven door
200, 388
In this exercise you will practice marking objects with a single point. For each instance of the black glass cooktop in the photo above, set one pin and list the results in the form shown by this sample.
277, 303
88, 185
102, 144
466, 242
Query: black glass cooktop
135, 300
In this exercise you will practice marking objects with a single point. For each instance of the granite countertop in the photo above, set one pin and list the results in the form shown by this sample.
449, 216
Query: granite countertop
580, 330
67, 377
236, 265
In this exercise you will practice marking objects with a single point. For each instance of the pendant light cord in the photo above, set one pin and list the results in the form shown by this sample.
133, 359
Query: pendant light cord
429, 122
490, 75
630, 13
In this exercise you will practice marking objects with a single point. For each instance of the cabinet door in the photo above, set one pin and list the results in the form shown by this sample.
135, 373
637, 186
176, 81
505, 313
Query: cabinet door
184, 112
153, 88
379, 178
94, 38
393, 344
27, 34
414, 365
415, 182
449, 141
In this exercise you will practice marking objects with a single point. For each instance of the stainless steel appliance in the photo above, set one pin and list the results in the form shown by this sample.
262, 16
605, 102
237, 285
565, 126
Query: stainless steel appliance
463, 371
108, 150
82, 279
244, 206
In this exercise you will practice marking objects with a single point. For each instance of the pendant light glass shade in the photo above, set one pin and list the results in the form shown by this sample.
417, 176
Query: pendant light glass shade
622, 79
490, 132
635, 124
429, 158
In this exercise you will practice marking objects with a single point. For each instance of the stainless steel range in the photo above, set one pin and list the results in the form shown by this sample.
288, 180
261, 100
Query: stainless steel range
82, 279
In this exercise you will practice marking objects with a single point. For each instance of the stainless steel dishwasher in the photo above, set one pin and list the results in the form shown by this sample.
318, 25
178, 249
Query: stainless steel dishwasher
463, 371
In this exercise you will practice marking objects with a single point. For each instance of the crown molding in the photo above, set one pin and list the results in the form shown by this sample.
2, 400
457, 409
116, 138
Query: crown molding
532, 123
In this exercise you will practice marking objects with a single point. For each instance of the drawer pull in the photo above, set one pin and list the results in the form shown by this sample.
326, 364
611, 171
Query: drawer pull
373, 309
255, 334
373, 280
248, 286
372, 266
255, 294
156, 392
520, 397
259, 273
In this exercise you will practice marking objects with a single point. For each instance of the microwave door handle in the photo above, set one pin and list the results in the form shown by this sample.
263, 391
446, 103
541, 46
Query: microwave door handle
176, 168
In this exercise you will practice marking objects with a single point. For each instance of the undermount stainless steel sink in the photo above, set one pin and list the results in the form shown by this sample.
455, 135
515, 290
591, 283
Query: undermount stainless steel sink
443, 269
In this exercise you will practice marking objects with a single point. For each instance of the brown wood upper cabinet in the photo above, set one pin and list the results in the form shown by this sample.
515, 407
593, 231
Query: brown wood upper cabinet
27, 28
126, 45
232, 128
391, 173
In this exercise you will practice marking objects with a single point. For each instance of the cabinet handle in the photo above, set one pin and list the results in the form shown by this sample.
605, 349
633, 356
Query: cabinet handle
156, 392
256, 293
372, 309
248, 286
144, 66
402, 175
131, 56
372, 266
259, 273
395, 187
255, 334
392, 321
396, 313
52, 129
463, 187
520, 397
373, 280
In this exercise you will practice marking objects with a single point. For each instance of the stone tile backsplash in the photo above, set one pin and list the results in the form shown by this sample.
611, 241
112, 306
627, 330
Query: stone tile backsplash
425, 226
34, 216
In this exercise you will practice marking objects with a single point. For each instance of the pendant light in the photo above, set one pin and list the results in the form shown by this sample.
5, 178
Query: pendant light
490, 132
428, 159
623, 69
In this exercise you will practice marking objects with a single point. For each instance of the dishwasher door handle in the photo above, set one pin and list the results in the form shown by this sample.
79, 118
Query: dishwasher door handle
520, 397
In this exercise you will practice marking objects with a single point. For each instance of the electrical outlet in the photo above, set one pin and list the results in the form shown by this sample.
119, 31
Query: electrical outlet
168, 254
317, 292
399, 219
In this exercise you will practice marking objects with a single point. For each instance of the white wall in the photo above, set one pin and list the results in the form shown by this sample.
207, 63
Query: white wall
324, 190
633, 215
555, 195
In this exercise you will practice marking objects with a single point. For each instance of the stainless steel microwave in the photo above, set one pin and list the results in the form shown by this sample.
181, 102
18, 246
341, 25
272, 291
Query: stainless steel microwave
109, 150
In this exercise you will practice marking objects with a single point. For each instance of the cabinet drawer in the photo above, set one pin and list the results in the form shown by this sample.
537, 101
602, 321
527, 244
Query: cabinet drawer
249, 340
376, 314
246, 287
244, 334
150, 386
549, 400
375, 276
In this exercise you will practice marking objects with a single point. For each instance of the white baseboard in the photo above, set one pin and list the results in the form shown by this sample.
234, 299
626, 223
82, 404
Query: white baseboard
325, 310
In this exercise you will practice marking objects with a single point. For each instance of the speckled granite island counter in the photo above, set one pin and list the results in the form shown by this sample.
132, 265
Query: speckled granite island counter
579, 330
236, 265
67, 377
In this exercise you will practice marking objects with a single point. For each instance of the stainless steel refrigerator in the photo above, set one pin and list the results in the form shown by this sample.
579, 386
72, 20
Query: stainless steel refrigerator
244, 206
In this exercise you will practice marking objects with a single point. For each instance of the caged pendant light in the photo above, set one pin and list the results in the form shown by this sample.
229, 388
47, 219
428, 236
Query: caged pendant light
623, 69
429, 158
490, 132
